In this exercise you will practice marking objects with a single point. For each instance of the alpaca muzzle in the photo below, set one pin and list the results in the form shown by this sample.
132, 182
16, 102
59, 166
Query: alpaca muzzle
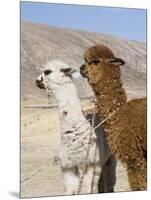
40, 84
83, 71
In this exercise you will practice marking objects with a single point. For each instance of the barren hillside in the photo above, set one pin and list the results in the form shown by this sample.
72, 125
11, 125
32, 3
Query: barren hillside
41, 43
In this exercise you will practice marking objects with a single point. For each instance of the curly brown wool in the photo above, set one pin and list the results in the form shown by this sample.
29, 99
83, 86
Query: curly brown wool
126, 130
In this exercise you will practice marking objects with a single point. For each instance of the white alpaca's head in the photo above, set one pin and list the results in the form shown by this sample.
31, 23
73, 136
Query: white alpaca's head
54, 75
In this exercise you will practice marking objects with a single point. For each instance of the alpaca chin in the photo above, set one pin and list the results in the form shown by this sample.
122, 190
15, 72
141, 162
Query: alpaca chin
49, 92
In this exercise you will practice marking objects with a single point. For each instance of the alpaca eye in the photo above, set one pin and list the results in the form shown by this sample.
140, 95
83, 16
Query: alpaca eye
95, 62
48, 71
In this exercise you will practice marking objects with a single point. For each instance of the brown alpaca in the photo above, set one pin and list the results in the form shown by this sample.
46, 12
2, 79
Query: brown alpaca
126, 128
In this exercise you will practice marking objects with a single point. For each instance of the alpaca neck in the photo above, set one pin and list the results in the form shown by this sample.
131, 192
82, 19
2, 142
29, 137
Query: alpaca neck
69, 103
110, 96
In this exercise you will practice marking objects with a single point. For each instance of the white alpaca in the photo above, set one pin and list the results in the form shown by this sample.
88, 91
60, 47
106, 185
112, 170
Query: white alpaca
75, 132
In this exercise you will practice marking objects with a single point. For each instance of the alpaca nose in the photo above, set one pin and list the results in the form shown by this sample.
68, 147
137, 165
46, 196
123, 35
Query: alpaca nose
82, 67
39, 80
39, 83
82, 70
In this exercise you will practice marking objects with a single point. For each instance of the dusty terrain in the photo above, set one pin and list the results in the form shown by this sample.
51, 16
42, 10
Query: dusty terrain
40, 171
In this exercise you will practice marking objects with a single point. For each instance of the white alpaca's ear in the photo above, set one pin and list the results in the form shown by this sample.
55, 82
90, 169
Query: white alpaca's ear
115, 61
68, 71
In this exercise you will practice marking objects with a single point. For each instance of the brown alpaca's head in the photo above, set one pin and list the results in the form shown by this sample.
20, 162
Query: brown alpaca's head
100, 65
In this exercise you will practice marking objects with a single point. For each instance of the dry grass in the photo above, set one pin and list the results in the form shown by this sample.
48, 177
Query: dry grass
40, 171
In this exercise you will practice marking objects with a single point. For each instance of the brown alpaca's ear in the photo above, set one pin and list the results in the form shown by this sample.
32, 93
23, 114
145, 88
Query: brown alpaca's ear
115, 61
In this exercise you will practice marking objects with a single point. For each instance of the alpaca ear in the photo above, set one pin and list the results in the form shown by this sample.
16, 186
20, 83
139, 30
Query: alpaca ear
115, 61
68, 71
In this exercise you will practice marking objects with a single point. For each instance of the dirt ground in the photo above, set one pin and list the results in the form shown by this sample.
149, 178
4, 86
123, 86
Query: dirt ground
40, 171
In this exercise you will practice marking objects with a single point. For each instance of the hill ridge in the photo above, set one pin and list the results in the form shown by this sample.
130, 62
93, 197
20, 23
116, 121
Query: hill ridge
41, 43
